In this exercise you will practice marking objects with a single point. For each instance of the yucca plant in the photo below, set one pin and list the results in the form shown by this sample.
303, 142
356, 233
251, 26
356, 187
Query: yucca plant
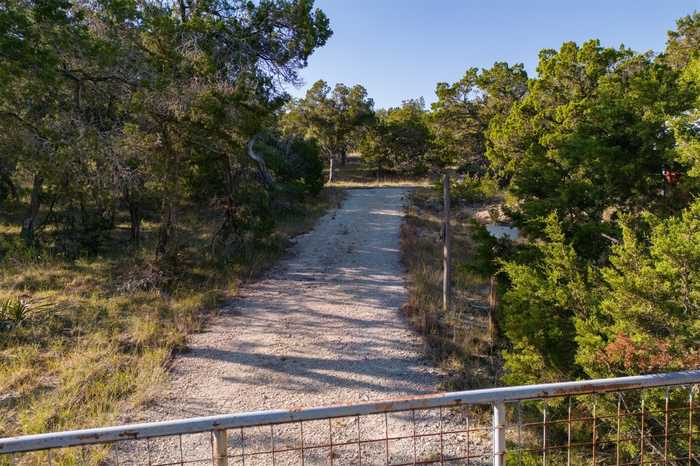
15, 312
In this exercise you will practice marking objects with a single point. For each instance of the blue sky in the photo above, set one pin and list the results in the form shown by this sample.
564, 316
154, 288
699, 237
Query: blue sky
400, 49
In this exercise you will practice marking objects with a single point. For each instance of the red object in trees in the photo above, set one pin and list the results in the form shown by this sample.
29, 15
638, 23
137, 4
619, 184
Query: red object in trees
671, 177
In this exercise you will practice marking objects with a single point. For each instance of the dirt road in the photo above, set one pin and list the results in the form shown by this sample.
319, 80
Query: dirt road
323, 327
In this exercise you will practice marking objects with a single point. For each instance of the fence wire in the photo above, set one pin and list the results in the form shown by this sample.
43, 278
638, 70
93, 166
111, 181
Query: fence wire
656, 426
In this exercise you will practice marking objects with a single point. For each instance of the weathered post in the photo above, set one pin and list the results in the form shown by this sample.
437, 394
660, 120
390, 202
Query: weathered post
492, 309
219, 448
446, 247
499, 433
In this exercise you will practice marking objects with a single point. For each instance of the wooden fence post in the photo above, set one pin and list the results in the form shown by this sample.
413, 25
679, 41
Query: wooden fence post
446, 247
493, 303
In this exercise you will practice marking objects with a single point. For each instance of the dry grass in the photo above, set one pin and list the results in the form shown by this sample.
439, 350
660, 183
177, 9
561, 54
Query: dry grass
460, 341
88, 351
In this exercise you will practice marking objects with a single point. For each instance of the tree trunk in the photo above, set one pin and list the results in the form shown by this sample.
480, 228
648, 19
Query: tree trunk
343, 158
135, 219
134, 216
330, 169
228, 226
7, 180
265, 175
166, 232
29, 223
168, 217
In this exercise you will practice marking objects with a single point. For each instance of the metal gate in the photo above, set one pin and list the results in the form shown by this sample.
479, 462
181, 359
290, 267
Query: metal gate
638, 420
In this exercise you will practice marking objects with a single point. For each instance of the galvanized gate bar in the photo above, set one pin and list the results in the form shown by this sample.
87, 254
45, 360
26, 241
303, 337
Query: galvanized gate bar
493, 396
499, 434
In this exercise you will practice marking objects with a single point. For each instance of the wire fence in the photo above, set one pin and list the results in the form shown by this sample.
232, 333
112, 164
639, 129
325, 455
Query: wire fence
643, 420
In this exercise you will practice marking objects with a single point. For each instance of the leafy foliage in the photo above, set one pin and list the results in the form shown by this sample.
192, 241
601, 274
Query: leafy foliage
297, 165
539, 310
472, 188
683, 43
400, 141
143, 105
637, 315
458, 123
649, 316
589, 136
464, 110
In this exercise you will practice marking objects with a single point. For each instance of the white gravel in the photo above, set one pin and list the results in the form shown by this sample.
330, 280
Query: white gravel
324, 327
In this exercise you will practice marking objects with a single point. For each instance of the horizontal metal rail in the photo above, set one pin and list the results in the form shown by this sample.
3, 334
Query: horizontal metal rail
493, 396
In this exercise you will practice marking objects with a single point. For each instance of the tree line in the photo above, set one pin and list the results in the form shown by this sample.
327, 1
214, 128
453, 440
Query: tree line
142, 109
409, 140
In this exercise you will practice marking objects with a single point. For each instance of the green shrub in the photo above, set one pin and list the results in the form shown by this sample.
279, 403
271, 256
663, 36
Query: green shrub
304, 171
472, 188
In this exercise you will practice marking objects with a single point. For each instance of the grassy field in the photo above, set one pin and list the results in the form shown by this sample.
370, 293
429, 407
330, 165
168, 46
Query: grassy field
87, 340
460, 341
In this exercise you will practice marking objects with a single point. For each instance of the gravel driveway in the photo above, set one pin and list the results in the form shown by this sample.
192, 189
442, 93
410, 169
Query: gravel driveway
324, 327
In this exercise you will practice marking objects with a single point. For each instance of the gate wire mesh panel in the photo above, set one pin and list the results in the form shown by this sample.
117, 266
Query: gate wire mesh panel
655, 426
88, 455
422, 436
185, 449
430, 436
441, 436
